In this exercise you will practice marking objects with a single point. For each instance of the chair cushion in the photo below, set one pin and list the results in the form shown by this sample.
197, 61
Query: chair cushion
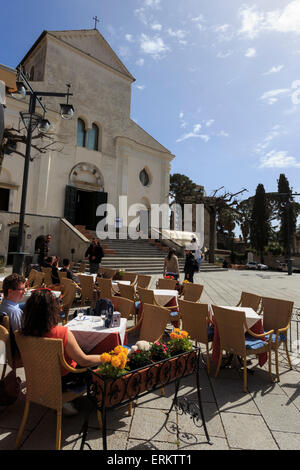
281, 337
253, 343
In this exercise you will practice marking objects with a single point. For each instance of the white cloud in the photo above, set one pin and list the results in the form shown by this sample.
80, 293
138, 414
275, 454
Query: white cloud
276, 131
140, 87
271, 96
225, 54
278, 159
223, 134
152, 3
129, 37
221, 28
179, 34
285, 20
196, 128
124, 52
274, 70
190, 135
140, 62
181, 114
156, 27
153, 46
209, 122
251, 52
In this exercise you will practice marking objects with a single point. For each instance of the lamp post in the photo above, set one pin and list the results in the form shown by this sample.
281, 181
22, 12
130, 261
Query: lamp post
31, 120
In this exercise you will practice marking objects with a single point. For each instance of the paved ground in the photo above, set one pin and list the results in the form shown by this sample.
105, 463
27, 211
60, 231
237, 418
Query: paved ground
267, 417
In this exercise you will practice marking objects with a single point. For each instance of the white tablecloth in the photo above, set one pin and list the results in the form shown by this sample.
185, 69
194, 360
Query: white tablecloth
90, 331
28, 293
163, 296
251, 316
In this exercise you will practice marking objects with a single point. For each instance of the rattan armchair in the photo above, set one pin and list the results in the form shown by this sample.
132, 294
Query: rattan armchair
192, 292
68, 292
152, 323
166, 284
107, 273
195, 320
42, 359
277, 315
35, 278
47, 276
13, 358
132, 277
106, 288
62, 275
249, 300
143, 281
88, 288
232, 327
128, 292
126, 307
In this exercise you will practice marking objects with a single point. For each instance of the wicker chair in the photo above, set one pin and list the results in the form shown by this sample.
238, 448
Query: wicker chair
195, 320
147, 296
107, 273
249, 300
62, 275
68, 296
88, 288
13, 358
132, 277
277, 315
128, 292
47, 276
152, 323
192, 292
81, 267
38, 280
166, 284
34, 277
125, 306
106, 288
43, 358
143, 281
232, 326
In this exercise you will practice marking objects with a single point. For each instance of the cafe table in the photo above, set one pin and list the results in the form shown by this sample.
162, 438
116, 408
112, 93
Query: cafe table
27, 294
93, 337
115, 284
254, 323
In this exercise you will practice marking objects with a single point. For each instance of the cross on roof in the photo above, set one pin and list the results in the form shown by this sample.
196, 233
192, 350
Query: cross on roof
96, 21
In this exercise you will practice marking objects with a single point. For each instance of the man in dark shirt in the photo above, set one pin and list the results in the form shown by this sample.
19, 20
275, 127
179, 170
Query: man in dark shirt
66, 269
95, 254
44, 250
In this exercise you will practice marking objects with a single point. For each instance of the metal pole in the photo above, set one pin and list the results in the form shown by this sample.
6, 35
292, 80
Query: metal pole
19, 256
289, 263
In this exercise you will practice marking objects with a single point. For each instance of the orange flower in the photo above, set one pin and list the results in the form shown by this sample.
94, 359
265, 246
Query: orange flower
105, 357
176, 330
184, 334
173, 335
115, 361
118, 349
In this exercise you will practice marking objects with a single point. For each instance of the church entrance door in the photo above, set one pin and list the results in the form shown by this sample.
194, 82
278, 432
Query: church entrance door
81, 206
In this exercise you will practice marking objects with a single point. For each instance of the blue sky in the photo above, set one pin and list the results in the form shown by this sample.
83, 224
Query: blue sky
217, 83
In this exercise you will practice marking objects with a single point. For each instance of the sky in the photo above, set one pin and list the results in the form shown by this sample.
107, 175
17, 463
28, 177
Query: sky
217, 83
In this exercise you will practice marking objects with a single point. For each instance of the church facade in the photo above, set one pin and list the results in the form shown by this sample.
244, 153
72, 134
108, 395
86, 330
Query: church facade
98, 156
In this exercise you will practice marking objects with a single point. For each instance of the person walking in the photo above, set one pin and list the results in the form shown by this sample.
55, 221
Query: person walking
95, 254
198, 253
171, 265
189, 265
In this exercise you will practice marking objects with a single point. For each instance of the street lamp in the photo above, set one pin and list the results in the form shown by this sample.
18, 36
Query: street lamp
31, 121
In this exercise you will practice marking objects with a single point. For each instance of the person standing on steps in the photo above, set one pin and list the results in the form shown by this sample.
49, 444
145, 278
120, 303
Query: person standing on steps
95, 254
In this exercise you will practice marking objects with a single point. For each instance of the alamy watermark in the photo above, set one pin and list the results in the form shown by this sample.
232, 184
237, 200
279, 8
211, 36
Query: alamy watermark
138, 221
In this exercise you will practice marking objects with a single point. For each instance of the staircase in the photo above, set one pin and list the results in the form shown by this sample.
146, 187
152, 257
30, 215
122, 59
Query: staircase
139, 256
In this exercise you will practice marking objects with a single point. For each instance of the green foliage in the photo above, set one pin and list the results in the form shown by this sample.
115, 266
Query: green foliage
260, 221
181, 187
274, 248
286, 213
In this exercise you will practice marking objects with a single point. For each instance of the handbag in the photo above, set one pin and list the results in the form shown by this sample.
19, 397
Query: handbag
10, 389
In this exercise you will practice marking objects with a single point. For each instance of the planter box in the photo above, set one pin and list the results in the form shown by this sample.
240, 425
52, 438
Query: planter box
111, 392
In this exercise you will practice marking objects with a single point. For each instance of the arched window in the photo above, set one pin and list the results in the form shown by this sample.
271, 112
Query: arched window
81, 132
93, 138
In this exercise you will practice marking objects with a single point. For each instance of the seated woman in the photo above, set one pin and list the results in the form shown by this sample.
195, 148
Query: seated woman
40, 318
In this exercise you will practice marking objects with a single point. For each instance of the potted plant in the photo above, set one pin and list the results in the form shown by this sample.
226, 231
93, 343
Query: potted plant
159, 351
179, 342
113, 364
139, 355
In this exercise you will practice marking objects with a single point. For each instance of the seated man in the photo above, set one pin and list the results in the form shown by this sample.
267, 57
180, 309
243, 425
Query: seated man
66, 269
13, 290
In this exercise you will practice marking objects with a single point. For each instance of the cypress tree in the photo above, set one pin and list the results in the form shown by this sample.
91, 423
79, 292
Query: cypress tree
260, 225
286, 213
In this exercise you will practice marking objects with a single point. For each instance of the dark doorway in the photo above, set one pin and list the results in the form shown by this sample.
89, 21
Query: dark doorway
81, 206
4, 199
12, 243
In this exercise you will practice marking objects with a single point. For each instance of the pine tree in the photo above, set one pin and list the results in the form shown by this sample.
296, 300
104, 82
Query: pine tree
260, 224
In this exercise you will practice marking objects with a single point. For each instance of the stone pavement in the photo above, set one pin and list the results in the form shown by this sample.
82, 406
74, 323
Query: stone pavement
267, 417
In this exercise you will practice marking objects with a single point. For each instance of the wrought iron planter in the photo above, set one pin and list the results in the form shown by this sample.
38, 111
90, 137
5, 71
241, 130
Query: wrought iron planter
108, 393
